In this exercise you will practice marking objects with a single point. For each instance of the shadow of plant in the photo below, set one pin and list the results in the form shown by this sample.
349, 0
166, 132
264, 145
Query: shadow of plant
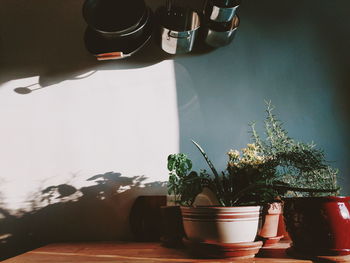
97, 212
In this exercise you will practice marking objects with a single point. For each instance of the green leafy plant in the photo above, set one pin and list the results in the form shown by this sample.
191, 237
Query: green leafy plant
262, 172
183, 184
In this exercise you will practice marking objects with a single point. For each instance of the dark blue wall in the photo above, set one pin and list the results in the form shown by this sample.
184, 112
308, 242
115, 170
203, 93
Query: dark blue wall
294, 53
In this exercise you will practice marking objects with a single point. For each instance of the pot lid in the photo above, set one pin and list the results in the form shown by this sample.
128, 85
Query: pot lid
98, 44
113, 15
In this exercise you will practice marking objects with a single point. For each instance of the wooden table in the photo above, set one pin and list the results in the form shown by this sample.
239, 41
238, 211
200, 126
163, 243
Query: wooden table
133, 252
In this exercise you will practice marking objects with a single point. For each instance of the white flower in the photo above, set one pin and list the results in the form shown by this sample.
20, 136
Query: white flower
233, 154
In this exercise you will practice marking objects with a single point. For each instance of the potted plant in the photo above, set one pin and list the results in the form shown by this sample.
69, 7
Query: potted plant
214, 231
264, 172
252, 167
318, 221
179, 192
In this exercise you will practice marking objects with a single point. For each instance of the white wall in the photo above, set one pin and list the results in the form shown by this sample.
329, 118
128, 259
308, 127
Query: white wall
85, 118
87, 131
112, 120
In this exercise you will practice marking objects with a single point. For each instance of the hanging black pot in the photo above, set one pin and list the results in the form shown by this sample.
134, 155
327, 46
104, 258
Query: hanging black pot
121, 45
114, 17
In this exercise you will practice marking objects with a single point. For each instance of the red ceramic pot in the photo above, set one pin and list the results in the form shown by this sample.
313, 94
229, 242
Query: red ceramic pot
319, 225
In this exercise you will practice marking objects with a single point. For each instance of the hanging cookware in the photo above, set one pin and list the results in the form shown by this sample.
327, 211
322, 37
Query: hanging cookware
221, 10
114, 17
178, 28
227, 3
107, 47
221, 34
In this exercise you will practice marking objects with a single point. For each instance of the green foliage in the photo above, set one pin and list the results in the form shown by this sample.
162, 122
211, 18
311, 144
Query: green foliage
268, 169
296, 164
183, 184
215, 185
242, 183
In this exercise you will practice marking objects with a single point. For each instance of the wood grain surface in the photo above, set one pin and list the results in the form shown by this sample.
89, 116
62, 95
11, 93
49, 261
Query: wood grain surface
133, 252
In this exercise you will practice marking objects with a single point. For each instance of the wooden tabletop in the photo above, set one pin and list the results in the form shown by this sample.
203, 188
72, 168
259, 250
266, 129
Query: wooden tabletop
133, 252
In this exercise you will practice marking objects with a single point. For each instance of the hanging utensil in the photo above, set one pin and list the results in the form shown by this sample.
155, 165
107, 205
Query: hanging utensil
178, 28
121, 46
220, 11
221, 34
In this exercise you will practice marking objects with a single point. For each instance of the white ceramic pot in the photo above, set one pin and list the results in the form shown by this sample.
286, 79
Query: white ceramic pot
221, 224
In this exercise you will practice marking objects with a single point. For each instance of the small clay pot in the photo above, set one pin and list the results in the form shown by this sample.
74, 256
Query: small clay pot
270, 218
282, 230
318, 225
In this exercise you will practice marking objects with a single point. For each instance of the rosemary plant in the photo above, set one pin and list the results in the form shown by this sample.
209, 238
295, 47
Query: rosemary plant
296, 163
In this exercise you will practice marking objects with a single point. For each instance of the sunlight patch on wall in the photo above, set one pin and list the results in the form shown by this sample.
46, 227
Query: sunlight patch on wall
122, 121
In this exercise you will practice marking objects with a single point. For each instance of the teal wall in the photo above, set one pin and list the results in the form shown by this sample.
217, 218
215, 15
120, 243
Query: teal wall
294, 53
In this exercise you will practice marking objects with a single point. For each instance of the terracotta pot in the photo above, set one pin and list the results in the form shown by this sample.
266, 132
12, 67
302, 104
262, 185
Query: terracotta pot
282, 231
270, 218
221, 224
319, 225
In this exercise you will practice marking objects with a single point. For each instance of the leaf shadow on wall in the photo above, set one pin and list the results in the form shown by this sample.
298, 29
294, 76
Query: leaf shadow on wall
92, 213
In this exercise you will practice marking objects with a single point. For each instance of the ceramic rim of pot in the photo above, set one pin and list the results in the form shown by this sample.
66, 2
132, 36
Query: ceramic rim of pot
318, 198
248, 207
206, 214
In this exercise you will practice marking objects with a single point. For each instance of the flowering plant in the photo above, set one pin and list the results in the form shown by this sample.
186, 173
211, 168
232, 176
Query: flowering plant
262, 172
250, 167
250, 162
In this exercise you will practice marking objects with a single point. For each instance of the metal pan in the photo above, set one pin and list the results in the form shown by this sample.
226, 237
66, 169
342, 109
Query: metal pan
222, 11
114, 17
221, 34
107, 48
178, 29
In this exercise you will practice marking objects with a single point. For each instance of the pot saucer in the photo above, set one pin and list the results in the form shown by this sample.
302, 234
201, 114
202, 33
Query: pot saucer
223, 250
269, 241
